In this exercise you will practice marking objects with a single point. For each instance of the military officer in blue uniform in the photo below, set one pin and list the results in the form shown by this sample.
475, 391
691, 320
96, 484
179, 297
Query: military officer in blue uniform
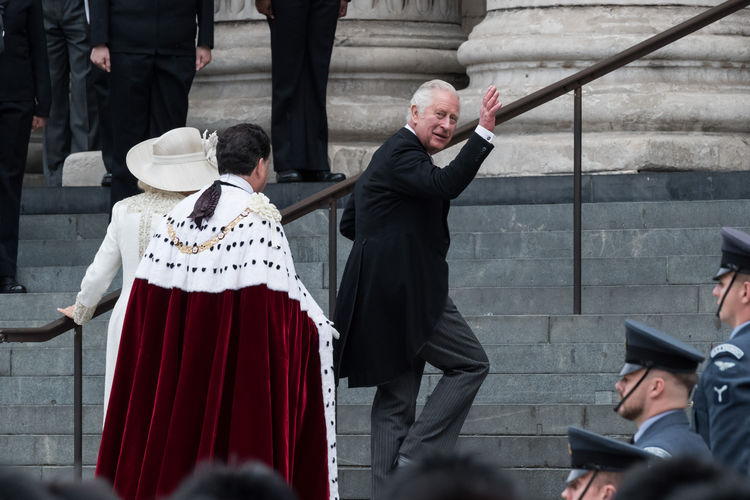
597, 464
722, 398
657, 380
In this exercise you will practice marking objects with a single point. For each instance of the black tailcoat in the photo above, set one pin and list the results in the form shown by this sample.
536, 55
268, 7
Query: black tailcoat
395, 283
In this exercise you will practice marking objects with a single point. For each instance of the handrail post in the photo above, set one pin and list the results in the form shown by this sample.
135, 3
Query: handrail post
577, 131
332, 256
78, 401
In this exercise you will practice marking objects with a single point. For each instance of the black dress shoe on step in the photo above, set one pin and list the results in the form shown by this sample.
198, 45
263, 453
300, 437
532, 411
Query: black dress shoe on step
288, 176
324, 176
10, 285
107, 180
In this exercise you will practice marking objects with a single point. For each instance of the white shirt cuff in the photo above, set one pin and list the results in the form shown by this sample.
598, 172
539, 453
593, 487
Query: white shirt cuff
484, 133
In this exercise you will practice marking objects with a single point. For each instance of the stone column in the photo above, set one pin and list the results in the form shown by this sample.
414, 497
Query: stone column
684, 107
384, 49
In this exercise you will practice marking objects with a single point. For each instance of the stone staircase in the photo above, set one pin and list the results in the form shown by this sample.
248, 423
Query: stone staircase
649, 251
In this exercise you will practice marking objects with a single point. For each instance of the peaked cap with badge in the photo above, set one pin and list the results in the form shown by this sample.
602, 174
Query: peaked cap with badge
735, 252
648, 347
722, 397
592, 451
668, 434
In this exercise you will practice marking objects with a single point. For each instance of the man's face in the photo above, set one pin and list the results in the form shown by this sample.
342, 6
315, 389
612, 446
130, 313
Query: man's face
732, 304
596, 491
436, 124
633, 407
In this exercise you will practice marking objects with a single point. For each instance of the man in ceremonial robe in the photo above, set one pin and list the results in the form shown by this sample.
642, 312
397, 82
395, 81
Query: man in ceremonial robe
224, 355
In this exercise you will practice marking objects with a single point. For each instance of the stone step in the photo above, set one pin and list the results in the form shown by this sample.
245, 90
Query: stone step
494, 329
516, 388
503, 451
605, 271
49, 390
53, 472
617, 215
475, 218
624, 299
309, 245
533, 483
94, 334
589, 328
46, 449
463, 273
541, 358
48, 419
595, 244
63, 226
68, 278
57, 252
480, 301
503, 386
58, 278
508, 419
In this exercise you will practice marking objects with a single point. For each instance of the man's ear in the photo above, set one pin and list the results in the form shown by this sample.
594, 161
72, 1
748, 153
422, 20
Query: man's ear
608, 492
745, 291
414, 115
658, 385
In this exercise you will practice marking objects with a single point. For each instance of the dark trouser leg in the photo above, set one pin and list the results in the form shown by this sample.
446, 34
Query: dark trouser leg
393, 411
15, 122
454, 349
76, 34
129, 101
170, 86
301, 42
100, 82
56, 136
322, 21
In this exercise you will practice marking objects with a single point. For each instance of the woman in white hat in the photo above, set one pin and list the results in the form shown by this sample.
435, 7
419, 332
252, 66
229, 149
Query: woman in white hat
167, 168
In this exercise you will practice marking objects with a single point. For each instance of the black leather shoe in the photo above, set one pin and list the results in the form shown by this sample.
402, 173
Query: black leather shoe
324, 176
107, 180
288, 176
10, 285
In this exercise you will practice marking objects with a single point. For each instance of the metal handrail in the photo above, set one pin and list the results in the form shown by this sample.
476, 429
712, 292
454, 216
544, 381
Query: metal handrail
329, 197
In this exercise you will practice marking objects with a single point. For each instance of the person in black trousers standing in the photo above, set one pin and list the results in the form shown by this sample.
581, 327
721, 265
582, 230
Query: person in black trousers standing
302, 33
72, 125
24, 105
149, 49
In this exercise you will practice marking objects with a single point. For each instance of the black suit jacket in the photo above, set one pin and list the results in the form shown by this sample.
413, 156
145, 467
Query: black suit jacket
395, 283
152, 26
24, 71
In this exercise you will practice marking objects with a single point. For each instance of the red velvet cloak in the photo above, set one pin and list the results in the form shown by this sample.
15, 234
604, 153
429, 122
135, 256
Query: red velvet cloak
224, 357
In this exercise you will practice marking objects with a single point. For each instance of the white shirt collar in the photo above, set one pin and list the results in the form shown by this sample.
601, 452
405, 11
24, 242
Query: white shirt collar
238, 181
649, 422
408, 127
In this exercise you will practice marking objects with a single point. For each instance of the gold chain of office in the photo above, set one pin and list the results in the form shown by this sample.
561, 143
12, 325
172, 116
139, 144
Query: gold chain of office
195, 248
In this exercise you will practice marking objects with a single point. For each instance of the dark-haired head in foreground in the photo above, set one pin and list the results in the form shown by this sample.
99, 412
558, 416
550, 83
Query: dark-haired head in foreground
450, 477
250, 481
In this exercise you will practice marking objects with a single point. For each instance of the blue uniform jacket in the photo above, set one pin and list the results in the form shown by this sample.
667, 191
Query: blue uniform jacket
722, 402
671, 436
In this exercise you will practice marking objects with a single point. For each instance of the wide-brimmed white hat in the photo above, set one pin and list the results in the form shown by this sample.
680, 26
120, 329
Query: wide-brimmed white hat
179, 160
